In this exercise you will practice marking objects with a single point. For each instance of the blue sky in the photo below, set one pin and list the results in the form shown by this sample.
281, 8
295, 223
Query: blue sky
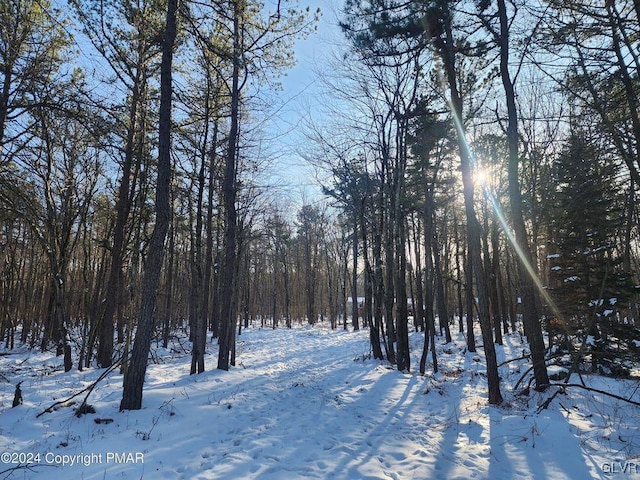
302, 98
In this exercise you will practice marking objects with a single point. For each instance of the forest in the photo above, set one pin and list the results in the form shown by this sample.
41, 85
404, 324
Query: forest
477, 160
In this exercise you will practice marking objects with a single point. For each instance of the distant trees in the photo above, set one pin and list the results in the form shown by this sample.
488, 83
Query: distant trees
310, 227
49, 159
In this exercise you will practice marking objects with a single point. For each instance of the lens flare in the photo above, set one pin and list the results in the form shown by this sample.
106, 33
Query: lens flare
481, 177
523, 258
481, 174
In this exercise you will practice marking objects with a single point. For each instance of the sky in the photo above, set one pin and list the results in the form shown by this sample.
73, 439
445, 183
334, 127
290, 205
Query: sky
299, 99
302, 99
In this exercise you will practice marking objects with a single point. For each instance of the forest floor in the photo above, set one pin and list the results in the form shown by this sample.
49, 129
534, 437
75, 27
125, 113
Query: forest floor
310, 403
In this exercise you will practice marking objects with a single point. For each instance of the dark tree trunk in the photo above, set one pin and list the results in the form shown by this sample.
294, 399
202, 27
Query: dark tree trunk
418, 304
490, 267
134, 377
343, 285
216, 288
501, 305
354, 277
197, 275
526, 265
374, 326
389, 291
287, 295
168, 314
208, 261
458, 276
123, 208
403, 358
441, 300
378, 293
469, 301
229, 192
473, 228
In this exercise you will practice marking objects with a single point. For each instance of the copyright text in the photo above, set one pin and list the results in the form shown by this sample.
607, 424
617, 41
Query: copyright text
67, 460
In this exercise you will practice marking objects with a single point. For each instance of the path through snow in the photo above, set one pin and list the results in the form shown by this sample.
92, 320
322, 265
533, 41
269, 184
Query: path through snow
308, 403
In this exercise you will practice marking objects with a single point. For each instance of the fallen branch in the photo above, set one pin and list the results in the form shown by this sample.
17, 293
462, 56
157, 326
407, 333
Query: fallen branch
87, 389
524, 357
26, 466
522, 377
597, 390
548, 401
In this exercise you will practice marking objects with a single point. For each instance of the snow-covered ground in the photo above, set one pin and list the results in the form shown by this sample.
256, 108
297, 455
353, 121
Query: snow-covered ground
309, 403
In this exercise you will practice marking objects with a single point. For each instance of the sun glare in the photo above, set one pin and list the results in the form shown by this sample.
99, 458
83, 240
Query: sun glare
481, 177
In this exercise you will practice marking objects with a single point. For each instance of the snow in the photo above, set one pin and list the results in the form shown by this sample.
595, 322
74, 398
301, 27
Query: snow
557, 371
310, 403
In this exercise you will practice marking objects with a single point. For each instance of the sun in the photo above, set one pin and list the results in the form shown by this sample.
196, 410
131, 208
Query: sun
481, 177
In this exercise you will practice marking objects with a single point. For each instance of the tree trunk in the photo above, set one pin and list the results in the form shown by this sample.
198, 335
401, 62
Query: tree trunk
370, 284
403, 357
134, 377
229, 192
168, 314
418, 303
526, 267
458, 275
378, 293
354, 277
123, 208
473, 227
197, 280
208, 260
441, 300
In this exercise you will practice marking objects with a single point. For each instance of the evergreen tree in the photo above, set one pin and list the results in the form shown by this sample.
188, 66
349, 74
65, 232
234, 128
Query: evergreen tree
587, 281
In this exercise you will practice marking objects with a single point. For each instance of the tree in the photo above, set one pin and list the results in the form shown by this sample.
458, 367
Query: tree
252, 36
438, 24
125, 35
428, 141
599, 43
134, 377
589, 283
526, 265
31, 48
353, 193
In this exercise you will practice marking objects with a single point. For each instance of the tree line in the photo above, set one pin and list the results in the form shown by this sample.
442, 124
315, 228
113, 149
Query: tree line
480, 168
488, 168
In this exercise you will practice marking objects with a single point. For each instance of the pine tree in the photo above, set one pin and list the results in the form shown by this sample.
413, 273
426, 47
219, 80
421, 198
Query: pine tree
587, 281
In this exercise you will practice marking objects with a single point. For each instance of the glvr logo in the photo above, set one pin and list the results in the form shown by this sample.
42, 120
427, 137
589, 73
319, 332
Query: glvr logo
621, 467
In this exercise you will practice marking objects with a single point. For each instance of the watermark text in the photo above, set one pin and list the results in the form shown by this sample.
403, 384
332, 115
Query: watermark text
70, 460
